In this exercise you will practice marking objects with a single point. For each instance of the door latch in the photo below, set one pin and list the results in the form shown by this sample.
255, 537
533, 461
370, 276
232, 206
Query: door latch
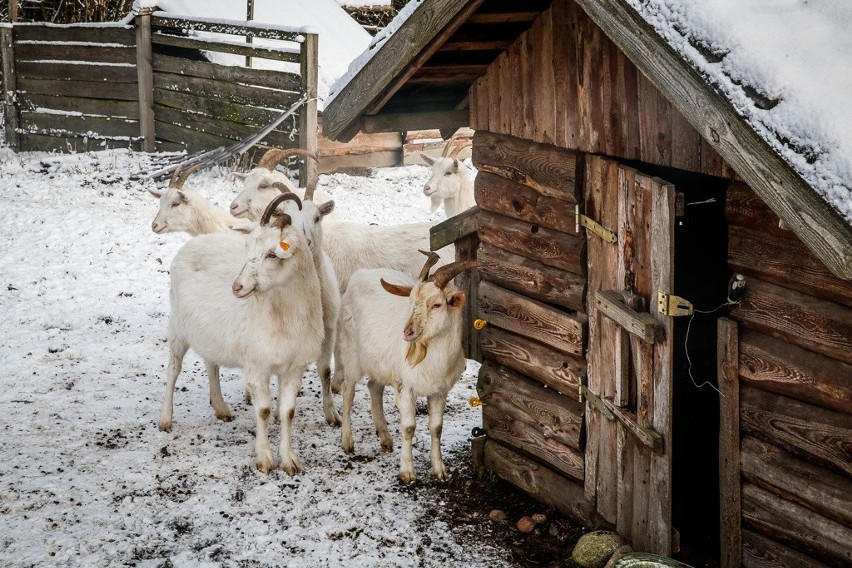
671, 305
593, 226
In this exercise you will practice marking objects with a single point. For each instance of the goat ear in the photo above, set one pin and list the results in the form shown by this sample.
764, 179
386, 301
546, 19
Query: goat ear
456, 300
396, 289
286, 248
456, 164
240, 175
155, 193
326, 208
427, 158
183, 197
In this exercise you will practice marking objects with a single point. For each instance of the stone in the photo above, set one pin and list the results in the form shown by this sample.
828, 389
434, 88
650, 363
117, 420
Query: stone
595, 548
526, 525
497, 516
539, 518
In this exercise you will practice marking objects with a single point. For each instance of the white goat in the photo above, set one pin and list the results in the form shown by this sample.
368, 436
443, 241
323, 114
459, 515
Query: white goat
267, 321
189, 211
410, 340
263, 183
449, 182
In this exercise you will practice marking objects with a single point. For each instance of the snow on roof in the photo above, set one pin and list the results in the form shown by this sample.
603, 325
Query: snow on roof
341, 38
378, 41
797, 56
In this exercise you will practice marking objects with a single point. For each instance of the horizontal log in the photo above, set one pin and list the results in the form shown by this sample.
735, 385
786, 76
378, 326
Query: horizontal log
761, 552
77, 71
70, 125
105, 33
776, 366
199, 132
236, 93
531, 318
103, 53
112, 108
557, 370
796, 526
45, 143
414, 120
453, 229
192, 140
540, 482
218, 107
89, 89
814, 324
231, 47
548, 166
641, 324
743, 208
549, 247
228, 74
532, 278
506, 197
786, 262
554, 416
820, 435
796, 480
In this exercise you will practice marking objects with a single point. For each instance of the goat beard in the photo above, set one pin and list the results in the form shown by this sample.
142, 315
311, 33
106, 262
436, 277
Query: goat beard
416, 353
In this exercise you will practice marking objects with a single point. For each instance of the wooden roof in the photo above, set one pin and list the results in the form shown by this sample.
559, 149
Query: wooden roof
419, 78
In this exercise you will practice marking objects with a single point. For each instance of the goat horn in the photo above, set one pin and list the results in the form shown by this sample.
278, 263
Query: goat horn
459, 148
444, 274
178, 178
431, 260
447, 147
270, 209
284, 189
275, 156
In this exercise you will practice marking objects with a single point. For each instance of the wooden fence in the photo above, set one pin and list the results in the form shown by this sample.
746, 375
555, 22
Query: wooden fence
146, 86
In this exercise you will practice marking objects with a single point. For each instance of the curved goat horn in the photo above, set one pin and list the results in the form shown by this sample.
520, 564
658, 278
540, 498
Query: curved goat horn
431, 260
275, 156
178, 178
447, 147
270, 209
284, 189
459, 148
447, 272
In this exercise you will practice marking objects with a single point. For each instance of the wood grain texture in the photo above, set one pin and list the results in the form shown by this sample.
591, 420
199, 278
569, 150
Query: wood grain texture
820, 435
102, 33
68, 125
76, 72
761, 552
557, 370
103, 53
776, 366
11, 123
86, 89
271, 79
811, 323
505, 197
730, 510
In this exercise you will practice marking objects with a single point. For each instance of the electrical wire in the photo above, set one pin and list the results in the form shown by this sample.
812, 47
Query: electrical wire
686, 344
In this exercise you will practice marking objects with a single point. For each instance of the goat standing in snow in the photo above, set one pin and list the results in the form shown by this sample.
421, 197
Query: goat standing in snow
406, 335
449, 182
266, 321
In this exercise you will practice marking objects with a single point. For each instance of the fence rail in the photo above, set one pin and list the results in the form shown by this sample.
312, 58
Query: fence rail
148, 86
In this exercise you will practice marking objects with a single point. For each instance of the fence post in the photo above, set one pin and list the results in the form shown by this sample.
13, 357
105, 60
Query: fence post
13, 11
308, 116
249, 17
145, 76
10, 86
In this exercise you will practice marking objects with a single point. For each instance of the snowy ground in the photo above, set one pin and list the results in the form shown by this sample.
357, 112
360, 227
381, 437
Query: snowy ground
87, 479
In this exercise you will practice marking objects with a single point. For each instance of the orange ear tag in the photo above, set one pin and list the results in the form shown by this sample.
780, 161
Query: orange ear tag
284, 245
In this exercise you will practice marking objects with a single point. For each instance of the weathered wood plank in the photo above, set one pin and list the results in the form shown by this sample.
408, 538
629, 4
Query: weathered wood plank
256, 77
743, 208
191, 139
554, 416
308, 127
468, 282
559, 371
814, 324
544, 94
453, 229
276, 54
516, 313
238, 94
796, 480
548, 166
218, 108
786, 262
516, 54
70, 125
11, 122
415, 120
104, 53
565, 85
797, 526
761, 552
77, 71
730, 512
818, 224
540, 482
87, 89
641, 324
505, 197
532, 278
103, 33
552, 248
145, 79
821, 435
115, 109
231, 27
67, 144
776, 366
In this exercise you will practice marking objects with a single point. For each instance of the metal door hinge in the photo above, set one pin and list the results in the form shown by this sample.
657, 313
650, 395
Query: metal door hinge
595, 401
671, 305
594, 226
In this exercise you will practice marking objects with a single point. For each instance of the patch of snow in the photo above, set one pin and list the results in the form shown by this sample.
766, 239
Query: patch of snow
87, 479
794, 52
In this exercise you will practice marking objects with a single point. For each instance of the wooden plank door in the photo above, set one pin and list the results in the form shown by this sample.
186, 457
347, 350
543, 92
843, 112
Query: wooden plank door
629, 390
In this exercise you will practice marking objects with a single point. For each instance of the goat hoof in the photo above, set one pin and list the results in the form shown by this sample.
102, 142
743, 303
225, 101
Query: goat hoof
291, 467
387, 446
165, 426
348, 448
264, 467
225, 416
440, 475
333, 420
406, 477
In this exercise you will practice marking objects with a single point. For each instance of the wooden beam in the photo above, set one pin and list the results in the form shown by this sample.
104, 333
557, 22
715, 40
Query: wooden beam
818, 224
400, 122
145, 78
308, 128
641, 324
382, 76
503, 18
10, 113
727, 365
453, 229
231, 27
220, 46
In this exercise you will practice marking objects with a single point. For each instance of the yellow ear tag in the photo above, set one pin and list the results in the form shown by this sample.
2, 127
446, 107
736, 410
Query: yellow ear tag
474, 401
284, 245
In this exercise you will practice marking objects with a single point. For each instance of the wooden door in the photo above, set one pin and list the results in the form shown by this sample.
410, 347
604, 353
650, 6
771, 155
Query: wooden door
629, 385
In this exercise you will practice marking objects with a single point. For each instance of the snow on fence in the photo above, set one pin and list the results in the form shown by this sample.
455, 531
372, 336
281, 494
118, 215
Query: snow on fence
77, 86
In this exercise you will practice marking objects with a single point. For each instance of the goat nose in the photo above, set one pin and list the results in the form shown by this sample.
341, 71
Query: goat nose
154, 227
236, 287
408, 332
233, 206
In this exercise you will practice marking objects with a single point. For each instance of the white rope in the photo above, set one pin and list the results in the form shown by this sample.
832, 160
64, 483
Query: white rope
686, 345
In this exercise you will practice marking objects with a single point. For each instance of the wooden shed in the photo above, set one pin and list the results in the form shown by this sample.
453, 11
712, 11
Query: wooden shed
613, 184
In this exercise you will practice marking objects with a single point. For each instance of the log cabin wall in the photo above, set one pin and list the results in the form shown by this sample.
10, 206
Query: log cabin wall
795, 396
